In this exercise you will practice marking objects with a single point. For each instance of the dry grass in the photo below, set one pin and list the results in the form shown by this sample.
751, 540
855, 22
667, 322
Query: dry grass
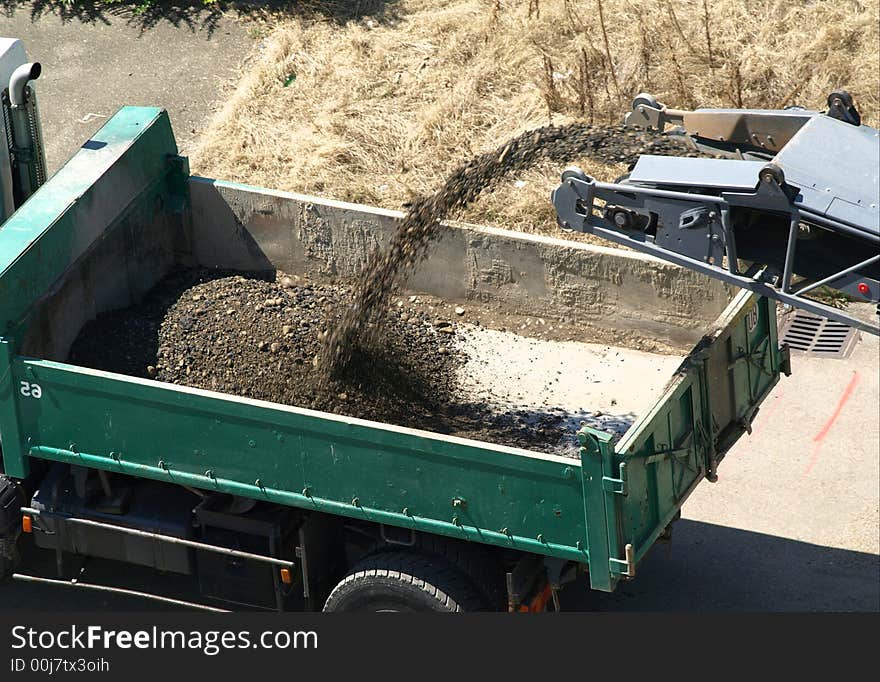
376, 110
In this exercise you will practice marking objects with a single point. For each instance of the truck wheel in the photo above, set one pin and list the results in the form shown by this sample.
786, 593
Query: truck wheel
404, 581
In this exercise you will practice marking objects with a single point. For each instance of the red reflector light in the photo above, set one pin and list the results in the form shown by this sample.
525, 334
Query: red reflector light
27, 524
864, 289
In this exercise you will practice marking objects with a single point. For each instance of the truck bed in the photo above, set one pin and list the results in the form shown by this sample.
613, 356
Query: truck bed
258, 335
119, 216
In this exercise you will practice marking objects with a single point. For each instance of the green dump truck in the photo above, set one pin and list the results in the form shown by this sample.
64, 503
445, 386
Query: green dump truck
339, 514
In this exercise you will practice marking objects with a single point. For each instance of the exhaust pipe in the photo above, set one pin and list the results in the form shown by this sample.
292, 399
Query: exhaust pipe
19, 80
25, 144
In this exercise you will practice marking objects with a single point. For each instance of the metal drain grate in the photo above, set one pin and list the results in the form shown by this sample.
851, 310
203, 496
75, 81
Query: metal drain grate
810, 333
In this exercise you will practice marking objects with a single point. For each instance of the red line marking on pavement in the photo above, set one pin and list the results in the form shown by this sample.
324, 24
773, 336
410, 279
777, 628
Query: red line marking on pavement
819, 437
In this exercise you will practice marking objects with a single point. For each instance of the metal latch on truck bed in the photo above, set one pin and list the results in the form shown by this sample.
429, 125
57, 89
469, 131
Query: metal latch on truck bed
628, 563
616, 485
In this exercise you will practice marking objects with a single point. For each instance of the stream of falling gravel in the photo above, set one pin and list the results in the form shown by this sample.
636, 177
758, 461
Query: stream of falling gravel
388, 266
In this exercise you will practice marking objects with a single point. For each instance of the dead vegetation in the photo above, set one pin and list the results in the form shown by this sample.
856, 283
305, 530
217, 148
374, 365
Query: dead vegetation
380, 109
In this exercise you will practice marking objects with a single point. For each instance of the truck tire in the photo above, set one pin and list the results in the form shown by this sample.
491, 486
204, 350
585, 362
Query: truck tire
404, 581
482, 569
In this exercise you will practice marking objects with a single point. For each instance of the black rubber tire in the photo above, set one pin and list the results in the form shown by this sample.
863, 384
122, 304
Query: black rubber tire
472, 559
404, 581
480, 568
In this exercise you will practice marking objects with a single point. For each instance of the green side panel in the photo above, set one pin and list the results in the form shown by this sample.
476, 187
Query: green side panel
640, 483
130, 154
402, 477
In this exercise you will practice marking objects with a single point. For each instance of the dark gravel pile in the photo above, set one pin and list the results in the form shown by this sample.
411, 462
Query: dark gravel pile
258, 336
421, 224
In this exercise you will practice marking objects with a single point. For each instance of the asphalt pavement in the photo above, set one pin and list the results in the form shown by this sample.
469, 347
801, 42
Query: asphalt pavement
102, 57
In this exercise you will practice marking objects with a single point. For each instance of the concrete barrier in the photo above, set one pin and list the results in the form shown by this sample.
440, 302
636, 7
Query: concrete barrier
616, 295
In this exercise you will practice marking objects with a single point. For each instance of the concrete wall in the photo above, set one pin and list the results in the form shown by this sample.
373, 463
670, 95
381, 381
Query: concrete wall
616, 295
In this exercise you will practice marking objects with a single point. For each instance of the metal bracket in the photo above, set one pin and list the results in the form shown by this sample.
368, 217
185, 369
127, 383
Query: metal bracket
616, 485
694, 218
785, 360
628, 563
407, 539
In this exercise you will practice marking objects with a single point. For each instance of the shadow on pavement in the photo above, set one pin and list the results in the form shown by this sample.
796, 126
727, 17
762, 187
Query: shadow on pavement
715, 568
195, 14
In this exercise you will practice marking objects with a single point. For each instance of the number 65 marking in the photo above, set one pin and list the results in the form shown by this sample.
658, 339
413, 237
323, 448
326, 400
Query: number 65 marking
29, 390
